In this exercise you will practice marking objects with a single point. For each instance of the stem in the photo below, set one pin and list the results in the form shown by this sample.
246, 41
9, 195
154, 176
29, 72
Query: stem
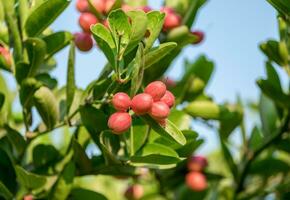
253, 155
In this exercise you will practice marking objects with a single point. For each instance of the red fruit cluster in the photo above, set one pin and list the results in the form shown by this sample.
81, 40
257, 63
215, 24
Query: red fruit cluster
155, 101
195, 179
5, 56
134, 192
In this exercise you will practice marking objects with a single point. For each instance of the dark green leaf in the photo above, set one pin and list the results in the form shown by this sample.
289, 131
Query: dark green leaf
229, 160
70, 83
82, 161
117, 170
4, 192
56, 41
282, 6
47, 80
110, 145
44, 155
16, 139
44, 15
80, 194
2, 100
269, 167
256, 138
192, 11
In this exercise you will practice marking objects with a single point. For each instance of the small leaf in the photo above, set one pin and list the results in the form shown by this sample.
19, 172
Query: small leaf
156, 54
29, 180
44, 15
181, 120
70, 85
46, 105
170, 132
80, 194
56, 41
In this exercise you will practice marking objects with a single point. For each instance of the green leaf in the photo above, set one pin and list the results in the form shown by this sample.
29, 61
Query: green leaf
256, 138
229, 160
181, 120
56, 41
2, 100
138, 28
269, 167
155, 156
70, 83
170, 132
191, 145
4, 192
180, 6
182, 36
156, 54
268, 115
110, 144
117, 170
63, 186
204, 109
36, 49
81, 159
44, 15
29, 180
155, 24
80, 194
191, 12
27, 89
106, 42
273, 76
16, 139
276, 51
47, 80
46, 105
280, 5
121, 30
44, 155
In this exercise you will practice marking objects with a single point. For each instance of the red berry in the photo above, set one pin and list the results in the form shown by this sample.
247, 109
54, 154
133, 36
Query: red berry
86, 20
168, 98
28, 197
159, 110
156, 89
121, 101
82, 5
83, 41
172, 19
199, 35
99, 5
119, 122
6, 56
134, 192
196, 181
197, 163
141, 103
109, 5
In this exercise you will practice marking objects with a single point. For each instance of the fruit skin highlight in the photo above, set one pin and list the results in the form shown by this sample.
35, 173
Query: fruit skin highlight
197, 163
156, 89
121, 101
83, 41
141, 103
119, 122
82, 5
134, 192
159, 110
99, 5
86, 20
196, 181
168, 98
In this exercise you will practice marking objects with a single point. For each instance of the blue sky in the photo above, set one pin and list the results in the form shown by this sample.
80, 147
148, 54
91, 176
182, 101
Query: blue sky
233, 28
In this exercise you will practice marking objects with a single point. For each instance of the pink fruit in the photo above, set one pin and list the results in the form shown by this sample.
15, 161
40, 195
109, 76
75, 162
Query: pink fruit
119, 122
199, 35
156, 89
83, 41
82, 5
196, 181
121, 101
5, 54
134, 192
172, 19
109, 5
141, 103
99, 5
146, 9
159, 110
86, 20
168, 98
197, 163
28, 197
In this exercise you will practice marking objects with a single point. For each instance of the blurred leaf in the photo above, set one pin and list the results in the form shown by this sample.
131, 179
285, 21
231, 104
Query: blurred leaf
155, 24
16, 139
80, 194
117, 4
46, 105
4, 192
256, 138
182, 36
70, 83
56, 41
28, 87
106, 42
157, 53
44, 155
138, 28
204, 109
185, 193
117, 170
135, 3
100, 87
2, 100
170, 132
273, 166
268, 115
110, 144
43, 16
29, 180
47, 80
48, 65
229, 160
280, 5
273, 76
63, 186
36, 49
83, 163
191, 145
191, 12
276, 51
180, 6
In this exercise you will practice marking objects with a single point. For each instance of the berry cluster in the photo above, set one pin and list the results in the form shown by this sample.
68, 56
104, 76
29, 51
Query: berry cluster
155, 101
195, 179
5, 57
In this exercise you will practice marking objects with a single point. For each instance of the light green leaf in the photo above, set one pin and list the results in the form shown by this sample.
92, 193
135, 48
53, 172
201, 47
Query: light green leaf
44, 15
204, 109
70, 81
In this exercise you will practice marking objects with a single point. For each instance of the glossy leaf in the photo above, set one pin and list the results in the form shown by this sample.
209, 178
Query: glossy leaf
44, 15
46, 105
56, 41
70, 80
156, 54
29, 180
